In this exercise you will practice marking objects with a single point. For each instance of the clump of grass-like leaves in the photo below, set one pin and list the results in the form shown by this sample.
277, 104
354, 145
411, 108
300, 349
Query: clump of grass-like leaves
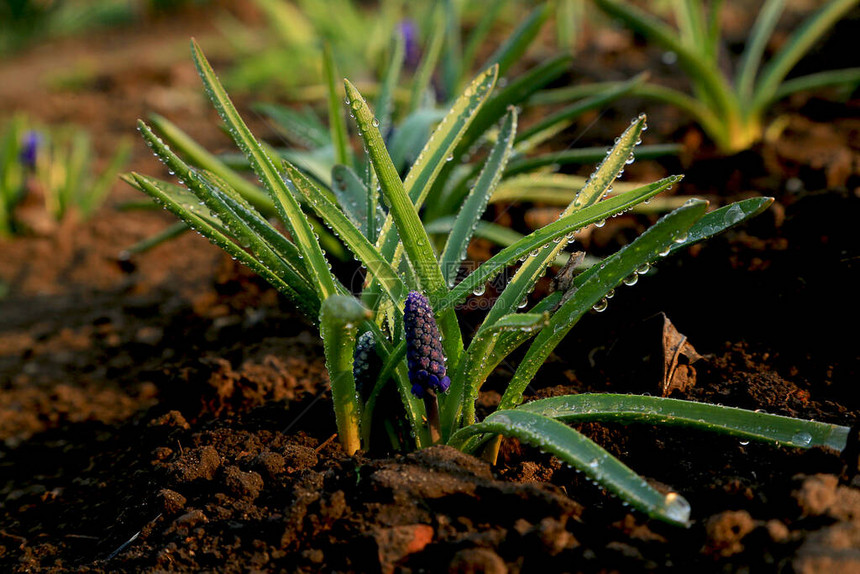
322, 150
409, 297
47, 174
731, 110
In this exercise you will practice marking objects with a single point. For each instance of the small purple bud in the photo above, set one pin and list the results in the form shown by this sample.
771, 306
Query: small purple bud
412, 53
366, 364
423, 347
29, 149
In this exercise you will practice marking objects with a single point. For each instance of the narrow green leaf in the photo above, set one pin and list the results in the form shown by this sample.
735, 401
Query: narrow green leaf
352, 195
711, 122
847, 78
740, 423
263, 166
301, 128
447, 135
515, 94
586, 456
797, 45
584, 155
498, 234
509, 340
522, 322
337, 125
549, 188
545, 236
764, 25
385, 99
515, 46
407, 141
94, 196
688, 14
424, 73
339, 316
475, 204
172, 231
490, 12
234, 212
565, 116
438, 151
720, 219
451, 55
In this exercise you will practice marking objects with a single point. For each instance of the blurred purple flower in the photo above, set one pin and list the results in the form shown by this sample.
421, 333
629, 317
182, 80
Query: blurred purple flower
29, 149
423, 347
412, 54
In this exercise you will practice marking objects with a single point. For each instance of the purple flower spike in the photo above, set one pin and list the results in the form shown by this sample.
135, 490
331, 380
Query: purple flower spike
423, 347
29, 149
412, 53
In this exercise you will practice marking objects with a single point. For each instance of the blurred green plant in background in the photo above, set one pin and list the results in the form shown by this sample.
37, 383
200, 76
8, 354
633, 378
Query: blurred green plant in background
730, 108
48, 174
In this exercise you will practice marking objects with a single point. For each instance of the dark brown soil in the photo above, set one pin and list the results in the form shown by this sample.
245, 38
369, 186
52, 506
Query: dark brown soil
170, 414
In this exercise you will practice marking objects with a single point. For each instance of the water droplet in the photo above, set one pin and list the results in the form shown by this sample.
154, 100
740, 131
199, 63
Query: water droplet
601, 305
600, 223
631, 280
802, 438
677, 508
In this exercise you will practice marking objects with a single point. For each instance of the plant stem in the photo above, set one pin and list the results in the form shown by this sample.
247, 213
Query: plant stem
431, 407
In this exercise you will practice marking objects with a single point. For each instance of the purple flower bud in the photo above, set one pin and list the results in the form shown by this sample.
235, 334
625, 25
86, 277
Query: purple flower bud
366, 364
423, 347
412, 53
29, 149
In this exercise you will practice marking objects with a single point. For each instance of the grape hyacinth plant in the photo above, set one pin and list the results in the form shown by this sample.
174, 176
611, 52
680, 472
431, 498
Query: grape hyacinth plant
408, 298
731, 110
46, 174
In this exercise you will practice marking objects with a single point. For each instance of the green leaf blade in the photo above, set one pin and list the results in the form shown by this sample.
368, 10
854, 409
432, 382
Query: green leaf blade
586, 456
740, 423
475, 204
339, 317
265, 169
545, 236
